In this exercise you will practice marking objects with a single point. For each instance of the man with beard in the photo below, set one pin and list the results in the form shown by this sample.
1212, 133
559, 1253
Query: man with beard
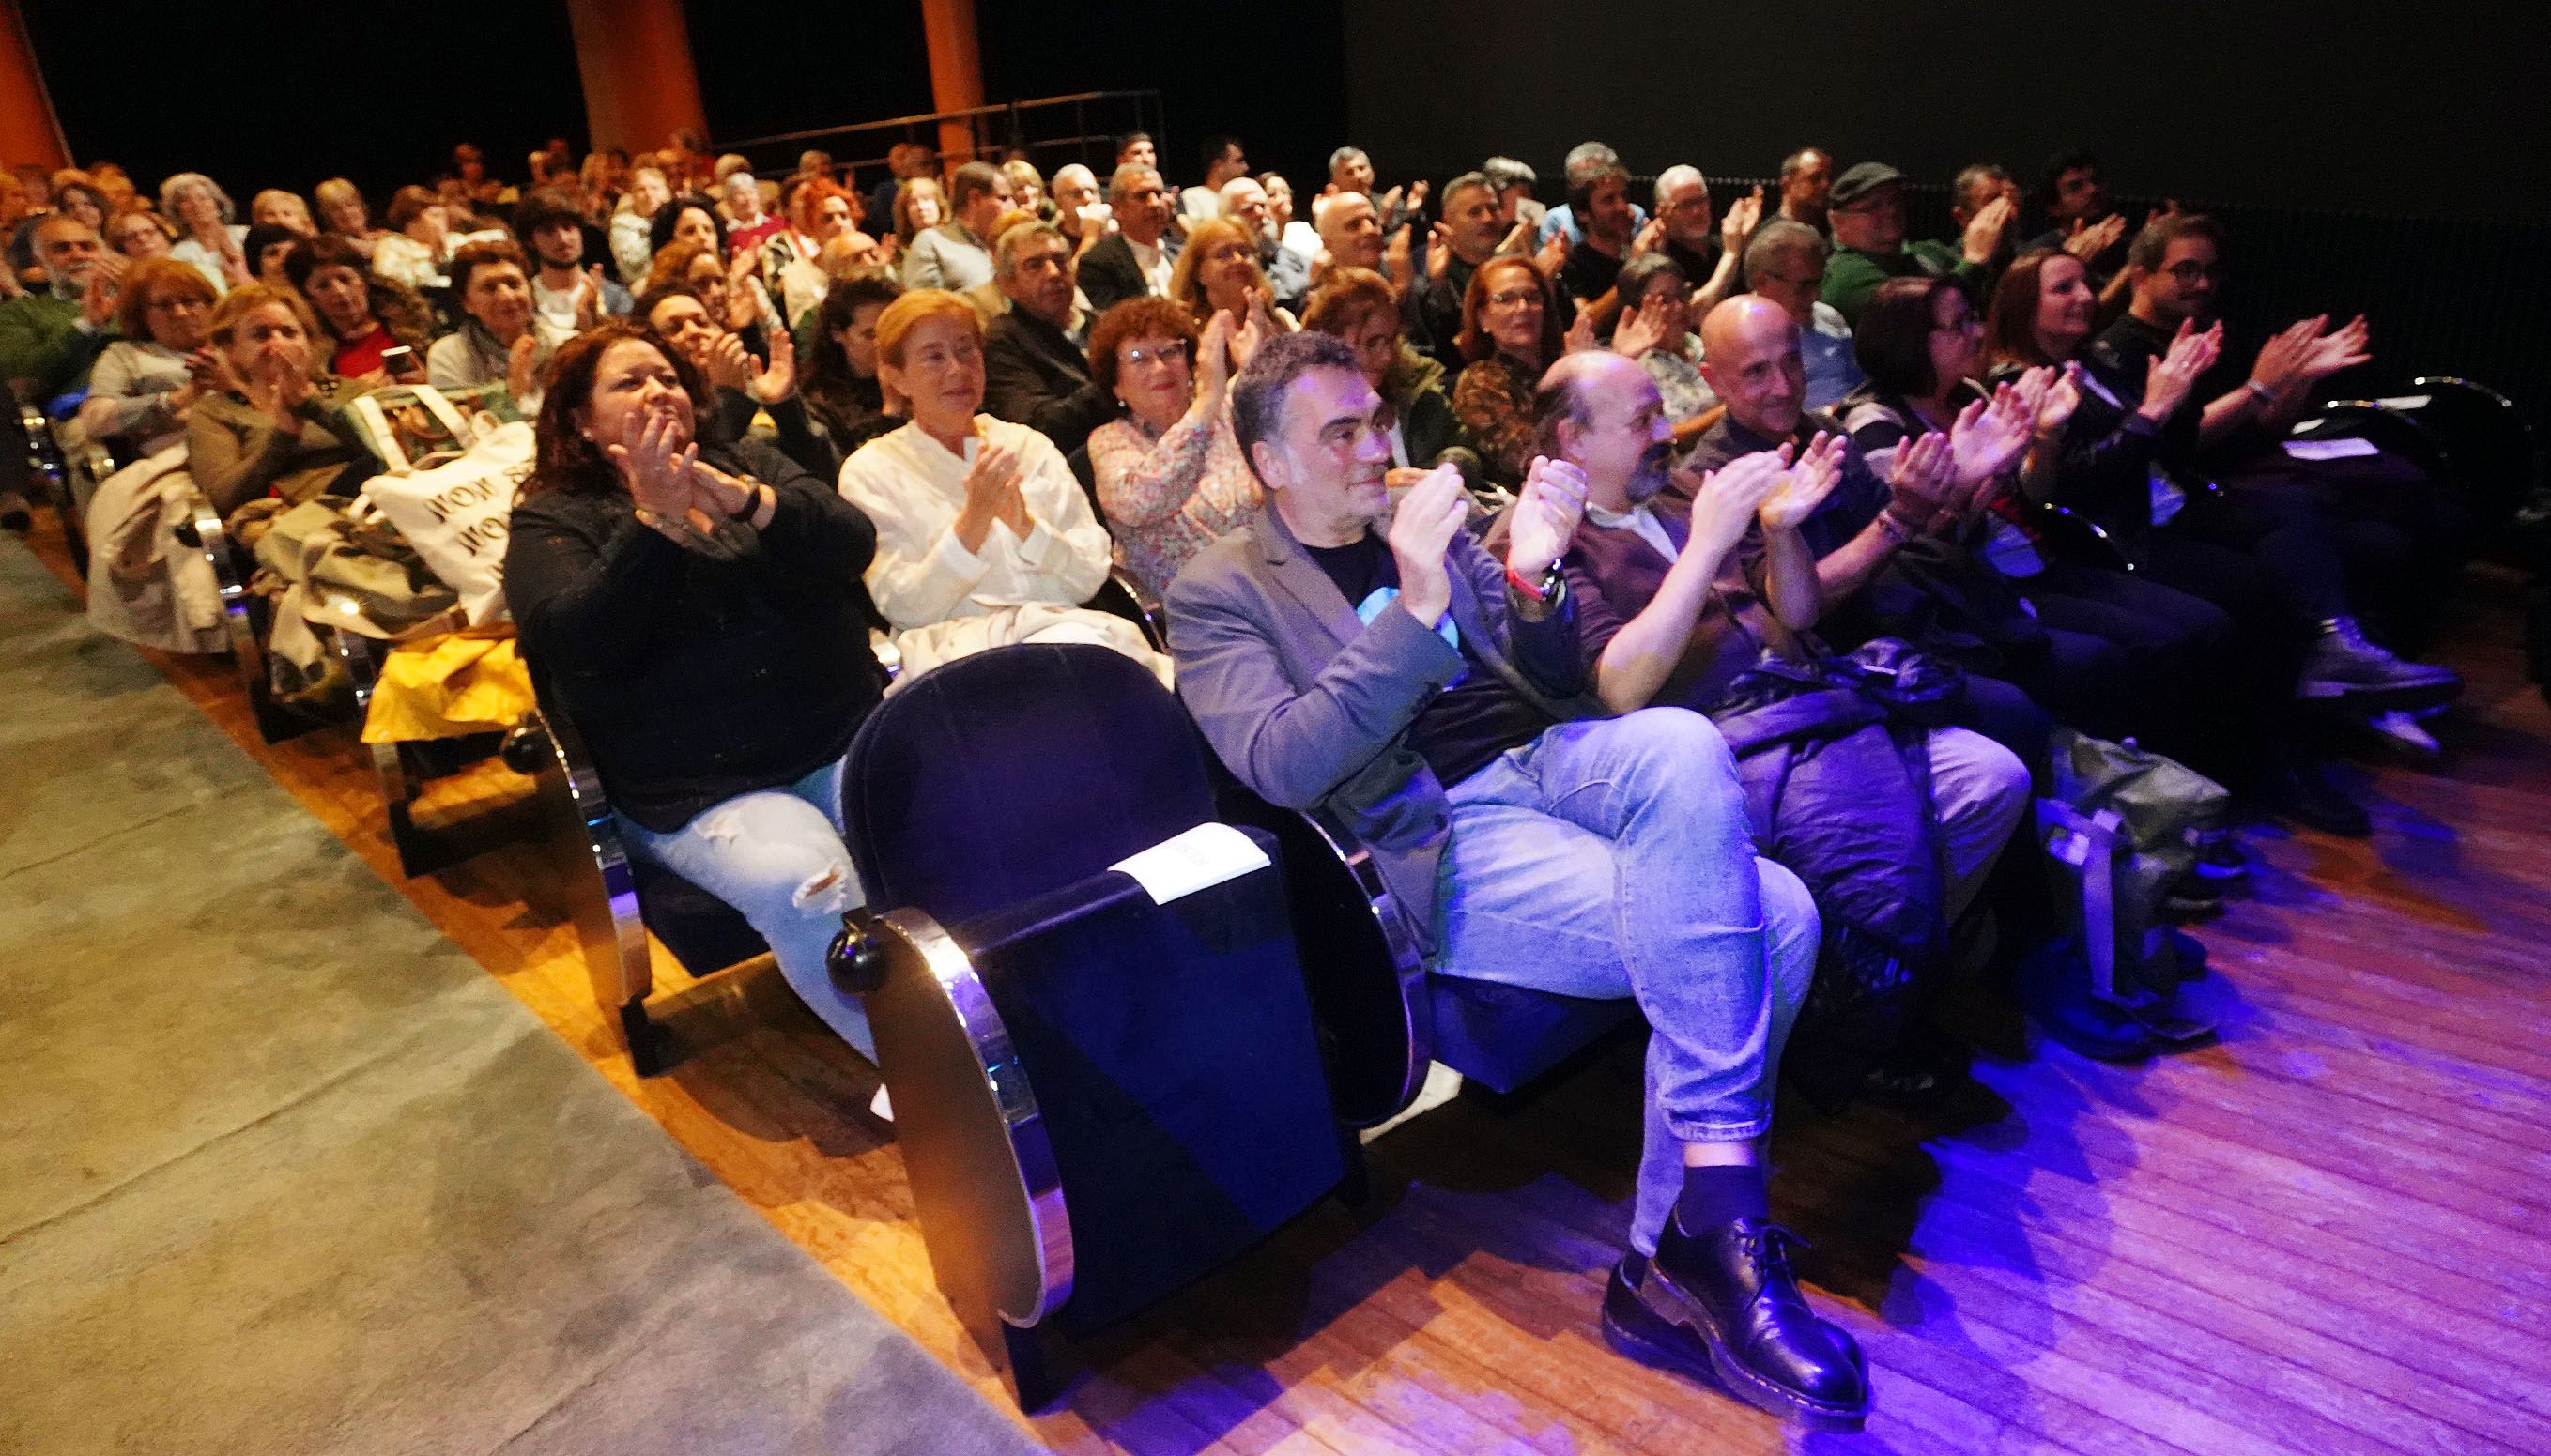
2402, 534
1383, 669
1681, 594
1601, 204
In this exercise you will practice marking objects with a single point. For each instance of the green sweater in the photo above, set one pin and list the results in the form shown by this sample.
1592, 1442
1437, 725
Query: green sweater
1851, 275
40, 341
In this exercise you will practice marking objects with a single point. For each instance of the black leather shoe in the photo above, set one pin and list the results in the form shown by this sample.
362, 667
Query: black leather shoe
1726, 1299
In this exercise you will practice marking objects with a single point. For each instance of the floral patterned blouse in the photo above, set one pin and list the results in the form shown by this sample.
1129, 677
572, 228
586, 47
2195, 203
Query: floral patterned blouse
1168, 496
1493, 402
1678, 382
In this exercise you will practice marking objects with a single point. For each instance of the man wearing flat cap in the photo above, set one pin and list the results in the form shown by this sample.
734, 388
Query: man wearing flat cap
1867, 211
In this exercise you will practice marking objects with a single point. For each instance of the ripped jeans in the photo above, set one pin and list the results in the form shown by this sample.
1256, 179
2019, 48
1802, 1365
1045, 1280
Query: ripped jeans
776, 855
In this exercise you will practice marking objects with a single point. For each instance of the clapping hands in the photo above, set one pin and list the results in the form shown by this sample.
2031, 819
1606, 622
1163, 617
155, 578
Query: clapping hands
1802, 487
1990, 434
1546, 513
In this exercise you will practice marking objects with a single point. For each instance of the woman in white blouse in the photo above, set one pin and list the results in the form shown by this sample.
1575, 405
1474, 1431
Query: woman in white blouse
983, 537
210, 239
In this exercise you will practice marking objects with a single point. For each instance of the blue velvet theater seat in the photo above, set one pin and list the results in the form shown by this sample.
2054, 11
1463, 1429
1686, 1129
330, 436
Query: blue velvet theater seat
1098, 1097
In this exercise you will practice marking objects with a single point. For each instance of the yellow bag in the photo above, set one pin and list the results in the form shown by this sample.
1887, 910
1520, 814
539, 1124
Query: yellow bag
448, 687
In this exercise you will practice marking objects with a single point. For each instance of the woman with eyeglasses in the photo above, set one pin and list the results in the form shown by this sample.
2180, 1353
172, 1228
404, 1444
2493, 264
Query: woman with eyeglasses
144, 384
1170, 471
1509, 335
138, 232
1920, 343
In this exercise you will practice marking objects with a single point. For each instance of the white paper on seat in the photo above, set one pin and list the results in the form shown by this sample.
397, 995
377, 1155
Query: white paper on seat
2329, 449
2407, 401
1199, 859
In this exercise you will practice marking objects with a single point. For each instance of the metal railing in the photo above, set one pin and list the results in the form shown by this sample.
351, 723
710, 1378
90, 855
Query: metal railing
1053, 131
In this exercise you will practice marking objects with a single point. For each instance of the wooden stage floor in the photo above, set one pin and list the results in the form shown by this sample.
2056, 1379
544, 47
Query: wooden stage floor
2328, 1234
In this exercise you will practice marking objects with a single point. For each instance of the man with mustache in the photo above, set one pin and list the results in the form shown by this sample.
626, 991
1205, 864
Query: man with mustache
1683, 592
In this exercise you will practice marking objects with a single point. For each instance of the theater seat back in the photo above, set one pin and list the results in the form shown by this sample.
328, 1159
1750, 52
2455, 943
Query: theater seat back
999, 777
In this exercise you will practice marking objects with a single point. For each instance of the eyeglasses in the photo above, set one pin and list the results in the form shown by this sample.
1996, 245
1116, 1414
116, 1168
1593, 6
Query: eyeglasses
1509, 297
1961, 323
1171, 354
2190, 270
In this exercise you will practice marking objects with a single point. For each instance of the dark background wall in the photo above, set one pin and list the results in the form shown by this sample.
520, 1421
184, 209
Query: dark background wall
2417, 112
265, 93
1266, 71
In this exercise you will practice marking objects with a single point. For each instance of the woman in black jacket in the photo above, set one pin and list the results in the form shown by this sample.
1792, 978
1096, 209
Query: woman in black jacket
695, 610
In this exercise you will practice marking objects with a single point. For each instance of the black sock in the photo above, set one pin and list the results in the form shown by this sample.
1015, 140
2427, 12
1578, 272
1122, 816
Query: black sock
1723, 1193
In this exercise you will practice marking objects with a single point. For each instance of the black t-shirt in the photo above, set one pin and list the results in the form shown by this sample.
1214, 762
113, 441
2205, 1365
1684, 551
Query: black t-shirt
1589, 273
1463, 728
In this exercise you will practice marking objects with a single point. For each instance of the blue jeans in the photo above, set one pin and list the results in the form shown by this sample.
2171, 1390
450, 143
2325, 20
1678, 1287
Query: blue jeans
776, 855
1611, 857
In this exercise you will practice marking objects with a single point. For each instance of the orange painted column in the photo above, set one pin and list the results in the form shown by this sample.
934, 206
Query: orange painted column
955, 72
635, 58
29, 129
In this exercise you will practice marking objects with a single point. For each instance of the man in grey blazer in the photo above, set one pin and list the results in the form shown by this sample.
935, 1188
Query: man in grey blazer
1382, 669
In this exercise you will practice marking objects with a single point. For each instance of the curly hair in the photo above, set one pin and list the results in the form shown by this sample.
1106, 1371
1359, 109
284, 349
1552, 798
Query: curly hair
1146, 317
563, 459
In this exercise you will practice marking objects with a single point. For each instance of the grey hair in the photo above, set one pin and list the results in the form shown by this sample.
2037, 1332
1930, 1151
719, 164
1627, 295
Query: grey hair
179, 185
1504, 172
1674, 176
1005, 249
1781, 237
1588, 160
1345, 155
1122, 181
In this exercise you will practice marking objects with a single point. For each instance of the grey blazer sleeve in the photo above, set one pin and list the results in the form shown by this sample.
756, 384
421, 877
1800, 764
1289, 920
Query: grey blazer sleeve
1293, 748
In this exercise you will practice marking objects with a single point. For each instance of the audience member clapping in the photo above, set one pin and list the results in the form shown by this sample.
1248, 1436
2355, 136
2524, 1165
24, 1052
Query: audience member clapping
272, 428
983, 536
208, 238
1356, 305
501, 340
143, 385
1655, 329
1509, 335
693, 607
1170, 476
49, 340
